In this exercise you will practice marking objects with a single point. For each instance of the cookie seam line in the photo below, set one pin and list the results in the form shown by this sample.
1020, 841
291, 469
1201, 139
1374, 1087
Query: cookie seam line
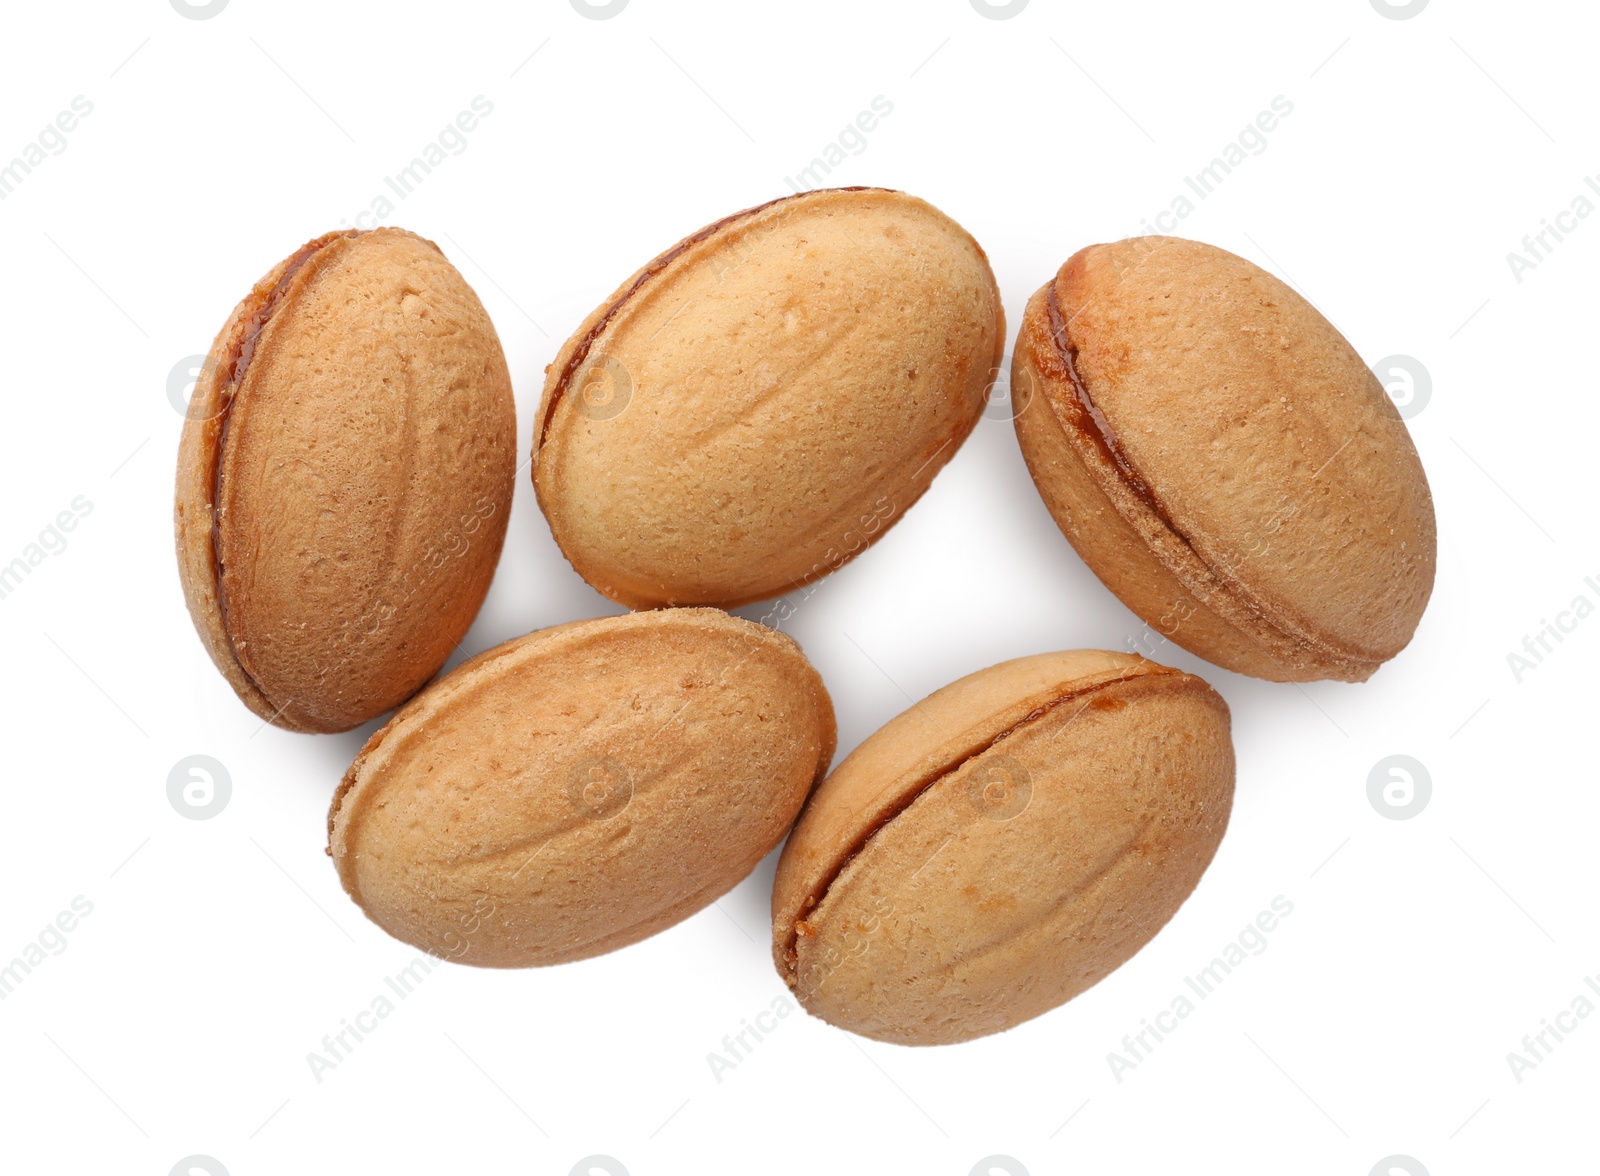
1066, 351
821, 891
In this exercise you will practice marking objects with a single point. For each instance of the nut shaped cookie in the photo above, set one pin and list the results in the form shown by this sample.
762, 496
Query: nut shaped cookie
761, 402
581, 788
1002, 846
344, 479
1224, 461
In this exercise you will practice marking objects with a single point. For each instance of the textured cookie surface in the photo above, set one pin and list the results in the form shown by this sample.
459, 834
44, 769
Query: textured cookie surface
1224, 460
760, 403
344, 479
581, 788
1002, 846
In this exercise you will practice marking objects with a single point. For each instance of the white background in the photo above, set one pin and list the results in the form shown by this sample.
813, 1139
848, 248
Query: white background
178, 1017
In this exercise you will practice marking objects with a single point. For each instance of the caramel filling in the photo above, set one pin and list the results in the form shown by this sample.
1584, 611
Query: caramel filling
819, 892
585, 344
1086, 417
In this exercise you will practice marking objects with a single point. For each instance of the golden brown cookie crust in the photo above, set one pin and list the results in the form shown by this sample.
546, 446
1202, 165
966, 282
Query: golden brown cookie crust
344, 478
797, 374
716, 729
1223, 459
909, 909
